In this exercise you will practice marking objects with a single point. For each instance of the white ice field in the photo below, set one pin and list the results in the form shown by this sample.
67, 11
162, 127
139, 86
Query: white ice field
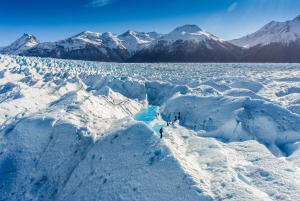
68, 131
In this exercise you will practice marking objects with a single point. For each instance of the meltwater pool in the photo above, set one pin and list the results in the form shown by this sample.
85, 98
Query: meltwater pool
148, 115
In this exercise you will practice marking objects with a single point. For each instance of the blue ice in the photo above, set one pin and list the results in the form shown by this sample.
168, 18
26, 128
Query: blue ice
147, 114
157, 126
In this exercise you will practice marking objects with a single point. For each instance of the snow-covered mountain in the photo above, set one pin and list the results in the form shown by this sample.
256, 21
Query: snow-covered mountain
84, 46
79, 130
189, 32
22, 44
275, 42
134, 41
273, 32
187, 43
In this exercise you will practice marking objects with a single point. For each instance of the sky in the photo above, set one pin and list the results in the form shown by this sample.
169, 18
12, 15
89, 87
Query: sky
52, 20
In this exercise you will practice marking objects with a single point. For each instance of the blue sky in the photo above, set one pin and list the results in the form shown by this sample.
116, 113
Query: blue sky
51, 20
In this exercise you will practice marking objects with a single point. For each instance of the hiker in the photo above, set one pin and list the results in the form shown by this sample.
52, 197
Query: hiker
175, 119
161, 132
178, 115
168, 123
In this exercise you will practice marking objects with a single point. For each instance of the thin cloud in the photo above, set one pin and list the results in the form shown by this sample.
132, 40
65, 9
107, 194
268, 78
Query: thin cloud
99, 3
232, 7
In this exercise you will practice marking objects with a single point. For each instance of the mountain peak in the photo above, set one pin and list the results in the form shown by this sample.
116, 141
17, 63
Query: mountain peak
109, 34
190, 28
153, 32
86, 34
28, 37
189, 32
297, 18
273, 32
270, 25
26, 42
127, 33
130, 32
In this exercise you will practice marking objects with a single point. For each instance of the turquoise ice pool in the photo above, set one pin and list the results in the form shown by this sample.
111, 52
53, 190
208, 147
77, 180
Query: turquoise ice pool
147, 115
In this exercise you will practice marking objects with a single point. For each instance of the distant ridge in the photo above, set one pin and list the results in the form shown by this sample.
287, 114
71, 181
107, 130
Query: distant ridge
274, 42
273, 32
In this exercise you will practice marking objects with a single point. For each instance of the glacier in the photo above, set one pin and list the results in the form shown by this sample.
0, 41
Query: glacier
79, 130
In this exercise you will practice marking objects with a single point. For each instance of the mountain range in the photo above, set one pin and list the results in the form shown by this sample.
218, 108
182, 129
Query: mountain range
275, 42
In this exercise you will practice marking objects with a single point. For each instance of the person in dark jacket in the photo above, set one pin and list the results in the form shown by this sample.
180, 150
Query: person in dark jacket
161, 132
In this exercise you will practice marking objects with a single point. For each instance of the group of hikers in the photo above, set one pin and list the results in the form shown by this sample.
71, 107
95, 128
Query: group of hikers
176, 118
168, 123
